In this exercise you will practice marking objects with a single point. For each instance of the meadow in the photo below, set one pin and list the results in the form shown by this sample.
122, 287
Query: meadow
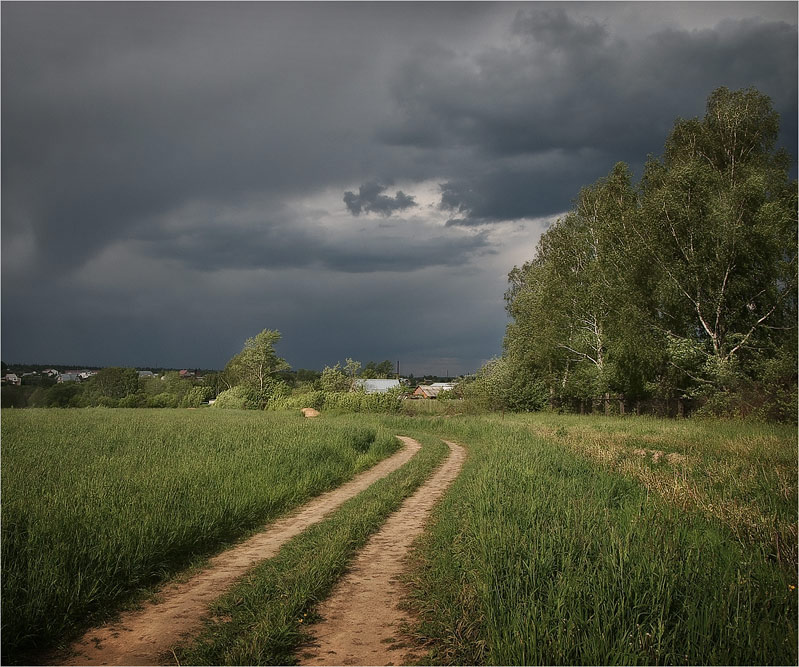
566, 539
593, 540
101, 504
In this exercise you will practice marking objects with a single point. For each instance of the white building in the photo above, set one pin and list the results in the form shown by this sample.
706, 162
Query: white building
376, 386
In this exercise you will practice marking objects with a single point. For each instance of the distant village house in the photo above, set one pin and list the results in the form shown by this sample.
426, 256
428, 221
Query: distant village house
376, 386
432, 390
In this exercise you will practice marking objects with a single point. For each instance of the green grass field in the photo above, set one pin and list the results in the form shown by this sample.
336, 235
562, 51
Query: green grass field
98, 504
591, 540
565, 540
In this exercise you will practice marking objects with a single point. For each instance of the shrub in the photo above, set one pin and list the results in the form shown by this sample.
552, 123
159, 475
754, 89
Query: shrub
137, 400
237, 398
162, 400
196, 396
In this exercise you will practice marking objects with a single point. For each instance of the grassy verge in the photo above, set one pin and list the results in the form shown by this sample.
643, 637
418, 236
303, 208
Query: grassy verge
547, 551
99, 504
261, 620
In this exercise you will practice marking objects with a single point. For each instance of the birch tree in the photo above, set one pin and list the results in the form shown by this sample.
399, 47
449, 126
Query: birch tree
256, 364
718, 222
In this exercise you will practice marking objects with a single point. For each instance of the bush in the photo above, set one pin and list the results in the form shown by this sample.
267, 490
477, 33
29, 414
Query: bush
237, 398
162, 400
196, 396
137, 400
354, 401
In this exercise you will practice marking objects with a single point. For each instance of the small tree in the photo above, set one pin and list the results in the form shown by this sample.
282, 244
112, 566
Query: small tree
255, 366
351, 368
115, 383
334, 379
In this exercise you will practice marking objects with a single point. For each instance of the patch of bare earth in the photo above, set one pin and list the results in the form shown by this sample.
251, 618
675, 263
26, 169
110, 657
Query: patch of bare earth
363, 624
145, 636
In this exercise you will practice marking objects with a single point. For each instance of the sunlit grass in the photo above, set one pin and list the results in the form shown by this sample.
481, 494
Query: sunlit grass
560, 545
100, 503
261, 621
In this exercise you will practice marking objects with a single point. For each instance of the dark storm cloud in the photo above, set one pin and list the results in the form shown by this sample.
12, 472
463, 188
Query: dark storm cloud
166, 164
202, 101
571, 85
370, 199
518, 188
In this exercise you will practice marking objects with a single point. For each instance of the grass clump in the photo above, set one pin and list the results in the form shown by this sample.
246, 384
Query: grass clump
99, 504
261, 620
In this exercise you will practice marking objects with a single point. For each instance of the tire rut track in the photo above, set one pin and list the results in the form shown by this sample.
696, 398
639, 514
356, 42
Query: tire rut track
361, 620
144, 636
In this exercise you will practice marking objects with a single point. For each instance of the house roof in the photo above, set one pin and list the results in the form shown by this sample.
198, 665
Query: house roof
377, 386
431, 391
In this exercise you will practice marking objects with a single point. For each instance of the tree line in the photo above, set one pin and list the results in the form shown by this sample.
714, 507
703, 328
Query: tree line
683, 285
252, 379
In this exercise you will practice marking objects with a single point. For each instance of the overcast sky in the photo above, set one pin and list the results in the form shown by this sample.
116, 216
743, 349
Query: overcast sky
177, 177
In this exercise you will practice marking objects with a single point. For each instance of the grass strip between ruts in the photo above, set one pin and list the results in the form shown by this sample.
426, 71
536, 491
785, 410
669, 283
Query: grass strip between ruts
261, 620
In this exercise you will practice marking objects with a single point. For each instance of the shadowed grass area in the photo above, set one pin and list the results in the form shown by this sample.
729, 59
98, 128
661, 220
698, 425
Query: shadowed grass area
261, 620
99, 504
546, 551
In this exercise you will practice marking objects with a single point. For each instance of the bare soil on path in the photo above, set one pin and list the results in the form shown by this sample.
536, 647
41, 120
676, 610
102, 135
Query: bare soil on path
362, 622
146, 636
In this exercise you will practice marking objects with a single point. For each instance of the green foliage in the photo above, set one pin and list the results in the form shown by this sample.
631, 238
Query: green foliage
255, 366
334, 379
352, 368
63, 395
238, 398
353, 401
114, 382
137, 400
680, 288
19, 397
162, 400
196, 396
384, 369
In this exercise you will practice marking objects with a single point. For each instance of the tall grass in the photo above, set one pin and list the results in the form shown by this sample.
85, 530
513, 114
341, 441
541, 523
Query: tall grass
546, 553
261, 620
99, 503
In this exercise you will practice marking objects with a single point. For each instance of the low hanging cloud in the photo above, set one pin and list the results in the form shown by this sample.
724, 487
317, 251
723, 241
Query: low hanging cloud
370, 199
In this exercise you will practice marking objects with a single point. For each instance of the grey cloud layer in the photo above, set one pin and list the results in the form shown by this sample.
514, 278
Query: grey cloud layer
183, 136
289, 242
573, 88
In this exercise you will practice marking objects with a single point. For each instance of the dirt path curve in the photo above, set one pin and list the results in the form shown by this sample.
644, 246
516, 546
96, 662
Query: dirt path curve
362, 623
142, 637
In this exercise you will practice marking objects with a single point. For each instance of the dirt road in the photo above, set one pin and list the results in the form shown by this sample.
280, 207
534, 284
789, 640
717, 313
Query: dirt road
362, 623
145, 636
